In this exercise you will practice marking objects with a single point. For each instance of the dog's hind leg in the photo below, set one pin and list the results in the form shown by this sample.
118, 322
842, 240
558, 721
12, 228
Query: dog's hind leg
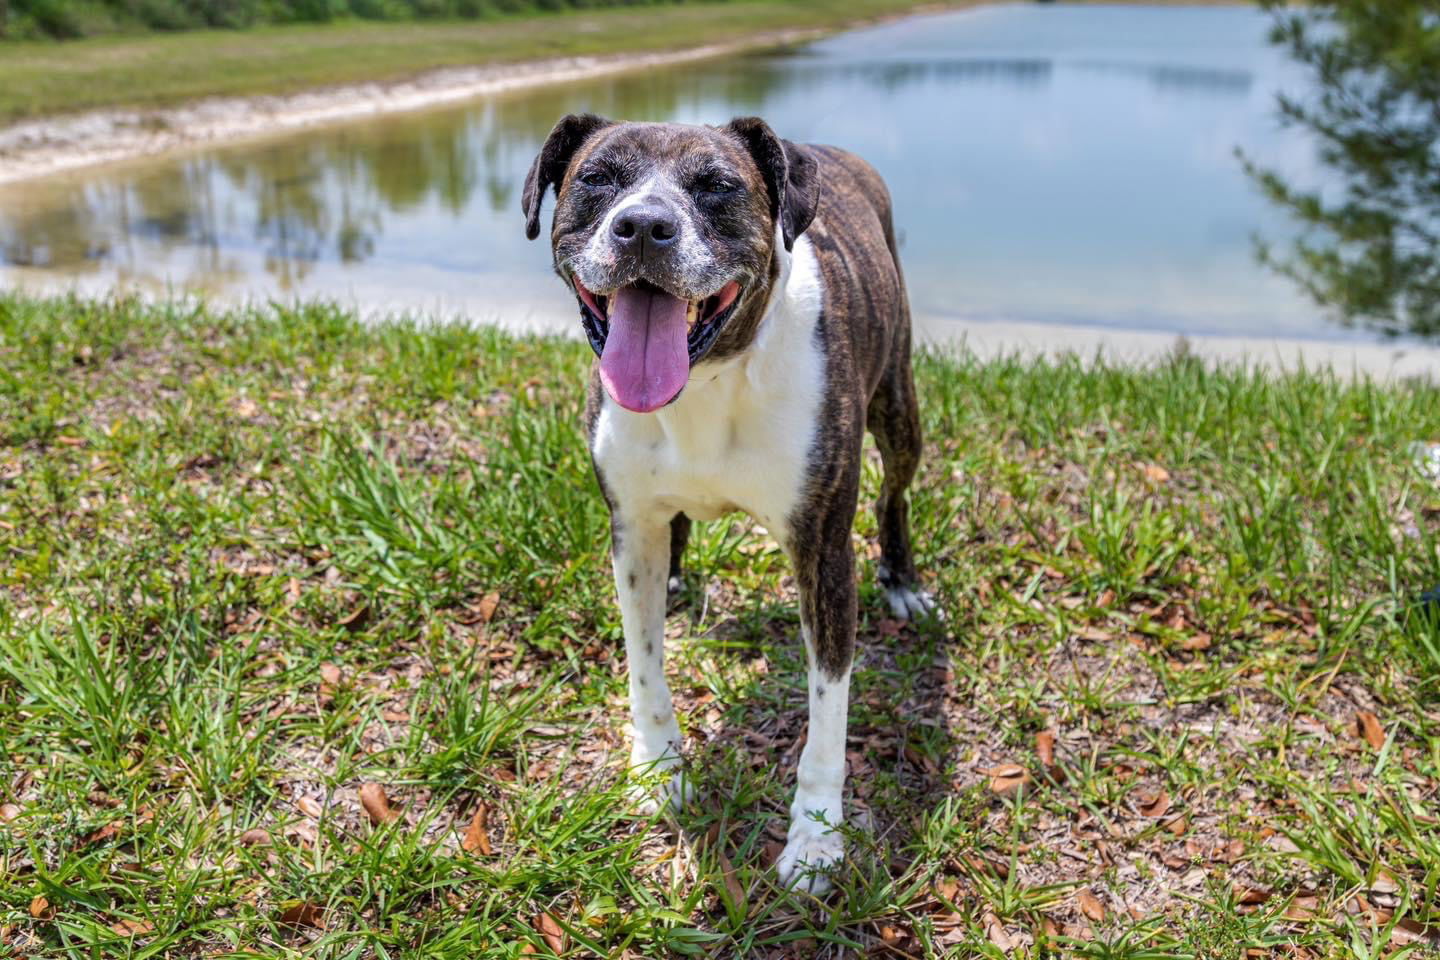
639, 550
893, 418
679, 536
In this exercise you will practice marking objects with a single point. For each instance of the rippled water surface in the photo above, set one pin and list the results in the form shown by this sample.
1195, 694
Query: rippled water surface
1049, 164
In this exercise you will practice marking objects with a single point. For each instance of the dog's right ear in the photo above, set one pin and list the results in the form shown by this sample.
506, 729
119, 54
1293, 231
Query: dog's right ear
548, 169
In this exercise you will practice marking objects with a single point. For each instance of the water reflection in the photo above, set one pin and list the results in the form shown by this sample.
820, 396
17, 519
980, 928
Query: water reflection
1041, 166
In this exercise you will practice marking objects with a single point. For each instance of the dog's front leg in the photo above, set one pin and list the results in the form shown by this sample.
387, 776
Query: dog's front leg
826, 574
641, 545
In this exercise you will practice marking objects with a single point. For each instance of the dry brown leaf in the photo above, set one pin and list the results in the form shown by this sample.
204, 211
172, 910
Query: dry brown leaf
727, 874
1196, 641
485, 609
1302, 908
1155, 473
376, 804
476, 837
255, 837
330, 673
1007, 779
100, 835
304, 914
551, 932
1384, 882
1178, 825
310, 807
995, 931
40, 909
246, 408
1249, 896
1367, 725
1045, 747
68, 441
9, 812
1154, 805
1090, 904
132, 928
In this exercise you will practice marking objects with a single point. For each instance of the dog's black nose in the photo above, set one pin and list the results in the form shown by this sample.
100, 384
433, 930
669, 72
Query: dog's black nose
645, 226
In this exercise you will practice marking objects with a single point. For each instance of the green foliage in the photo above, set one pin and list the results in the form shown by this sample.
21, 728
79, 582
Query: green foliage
68, 19
1372, 253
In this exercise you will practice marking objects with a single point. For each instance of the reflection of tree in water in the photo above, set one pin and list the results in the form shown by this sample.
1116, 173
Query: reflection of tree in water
326, 196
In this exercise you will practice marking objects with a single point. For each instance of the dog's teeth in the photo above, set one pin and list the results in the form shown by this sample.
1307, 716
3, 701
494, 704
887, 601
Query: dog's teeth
692, 316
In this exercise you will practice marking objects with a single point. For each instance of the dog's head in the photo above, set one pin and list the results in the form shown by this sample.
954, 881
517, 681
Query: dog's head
666, 233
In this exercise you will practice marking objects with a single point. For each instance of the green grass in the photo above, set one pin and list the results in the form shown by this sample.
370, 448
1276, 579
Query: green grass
250, 561
45, 78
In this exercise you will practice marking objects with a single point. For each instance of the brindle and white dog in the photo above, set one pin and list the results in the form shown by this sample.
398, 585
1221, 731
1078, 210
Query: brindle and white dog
744, 297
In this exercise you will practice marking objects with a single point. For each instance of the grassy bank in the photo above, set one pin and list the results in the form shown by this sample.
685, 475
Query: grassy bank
254, 562
44, 78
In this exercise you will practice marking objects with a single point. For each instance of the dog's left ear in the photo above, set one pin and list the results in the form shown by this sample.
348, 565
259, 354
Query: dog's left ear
548, 169
790, 173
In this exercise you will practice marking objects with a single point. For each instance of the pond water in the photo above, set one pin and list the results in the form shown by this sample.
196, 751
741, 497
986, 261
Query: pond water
1049, 164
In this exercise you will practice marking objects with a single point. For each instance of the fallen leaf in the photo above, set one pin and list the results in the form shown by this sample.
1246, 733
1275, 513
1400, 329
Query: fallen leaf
1155, 473
1007, 779
995, 931
1384, 882
304, 914
551, 932
1090, 904
100, 835
1302, 908
9, 812
1178, 825
246, 408
476, 838
1045, 747
1196, 641
132, 928
376, 804
727, 875
66, 441
309, 807
40, 909
330, 673
255, 837
1250, 896
485, 609
1367, 725
1154, 805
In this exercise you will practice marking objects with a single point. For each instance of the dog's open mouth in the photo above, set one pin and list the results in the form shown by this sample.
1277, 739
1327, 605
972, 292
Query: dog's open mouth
647, 338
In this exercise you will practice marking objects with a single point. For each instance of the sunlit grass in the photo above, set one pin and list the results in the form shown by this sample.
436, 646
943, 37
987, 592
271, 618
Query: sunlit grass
250, 561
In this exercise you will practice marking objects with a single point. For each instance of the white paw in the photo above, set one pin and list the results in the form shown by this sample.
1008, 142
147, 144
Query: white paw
653, 790
812, 851
908, 604
674, 585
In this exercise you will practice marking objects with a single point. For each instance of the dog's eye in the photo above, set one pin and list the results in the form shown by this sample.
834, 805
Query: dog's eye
596, 178
714, 186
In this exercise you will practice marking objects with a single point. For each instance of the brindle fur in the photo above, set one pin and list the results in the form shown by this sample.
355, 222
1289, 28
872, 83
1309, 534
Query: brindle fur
842, 205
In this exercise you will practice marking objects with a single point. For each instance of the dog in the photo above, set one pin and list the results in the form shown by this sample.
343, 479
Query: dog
744, 298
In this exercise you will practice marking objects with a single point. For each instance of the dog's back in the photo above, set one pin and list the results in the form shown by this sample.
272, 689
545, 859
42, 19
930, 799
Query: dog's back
854, 225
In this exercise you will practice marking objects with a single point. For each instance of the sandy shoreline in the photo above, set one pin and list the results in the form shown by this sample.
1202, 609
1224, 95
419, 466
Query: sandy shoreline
1352, 358
39, 148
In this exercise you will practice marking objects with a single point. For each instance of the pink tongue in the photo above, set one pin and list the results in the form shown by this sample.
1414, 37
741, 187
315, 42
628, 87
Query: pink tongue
646, 360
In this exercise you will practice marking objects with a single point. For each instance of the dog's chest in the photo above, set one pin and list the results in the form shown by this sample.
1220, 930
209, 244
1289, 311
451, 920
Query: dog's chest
741, 436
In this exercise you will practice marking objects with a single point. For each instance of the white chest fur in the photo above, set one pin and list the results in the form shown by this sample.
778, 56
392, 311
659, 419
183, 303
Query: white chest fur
740, 435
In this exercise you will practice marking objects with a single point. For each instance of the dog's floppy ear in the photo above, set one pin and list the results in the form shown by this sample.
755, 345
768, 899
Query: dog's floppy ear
790, 172
549, 167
